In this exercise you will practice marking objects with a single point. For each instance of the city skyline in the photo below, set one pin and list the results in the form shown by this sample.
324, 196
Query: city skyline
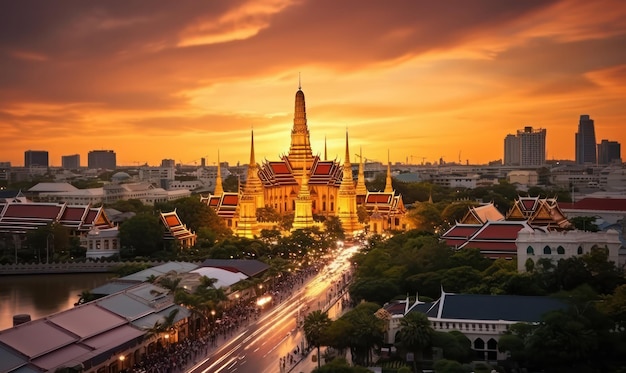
419, 79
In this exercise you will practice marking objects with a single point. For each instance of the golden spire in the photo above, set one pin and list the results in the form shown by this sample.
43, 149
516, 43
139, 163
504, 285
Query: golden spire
361, 189
300, 153
219, 189
388, 187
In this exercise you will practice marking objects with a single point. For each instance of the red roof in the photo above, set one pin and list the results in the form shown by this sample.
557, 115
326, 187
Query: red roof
172, 220
322, 169
91, 216
379, 198
491, 245
462, 231
74, 213
529, 204
602, 204
214, 201
499, 232
230, 199
279, 168
37, 211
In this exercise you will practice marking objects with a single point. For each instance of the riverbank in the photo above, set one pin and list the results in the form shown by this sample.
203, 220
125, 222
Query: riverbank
60, 268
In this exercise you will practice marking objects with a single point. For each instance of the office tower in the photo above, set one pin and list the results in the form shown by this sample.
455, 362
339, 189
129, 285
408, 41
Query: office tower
511, 150
609, 152
70, 162
526, 148
36, 158
585, 141
104, 159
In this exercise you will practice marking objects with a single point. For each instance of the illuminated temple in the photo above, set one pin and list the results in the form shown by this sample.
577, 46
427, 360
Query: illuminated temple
299, 183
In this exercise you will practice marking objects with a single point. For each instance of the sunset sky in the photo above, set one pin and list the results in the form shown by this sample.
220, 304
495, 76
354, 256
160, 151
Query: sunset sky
161, 79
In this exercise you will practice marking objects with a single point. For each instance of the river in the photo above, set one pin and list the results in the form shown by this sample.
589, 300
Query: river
42, 295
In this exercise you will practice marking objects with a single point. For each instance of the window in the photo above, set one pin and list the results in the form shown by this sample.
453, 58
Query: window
547, 250
530, 250
560, 250
580, 250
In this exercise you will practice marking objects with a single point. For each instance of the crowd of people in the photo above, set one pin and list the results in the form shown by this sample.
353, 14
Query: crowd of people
175, 357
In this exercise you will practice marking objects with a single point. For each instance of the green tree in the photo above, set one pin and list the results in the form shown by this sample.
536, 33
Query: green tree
315, 325
333, 229
415, 333
142, 234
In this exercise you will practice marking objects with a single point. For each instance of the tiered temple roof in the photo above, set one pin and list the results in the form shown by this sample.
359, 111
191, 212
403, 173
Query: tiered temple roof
175, 229
483, 227
18, 217
386, 203
225, 204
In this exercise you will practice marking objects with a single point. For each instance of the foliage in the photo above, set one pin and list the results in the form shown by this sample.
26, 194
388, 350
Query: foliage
142, 234
130, 205
130, 268
448, 366
340, 365
584, 223
48, 241
315, 325
415, 333
231, 183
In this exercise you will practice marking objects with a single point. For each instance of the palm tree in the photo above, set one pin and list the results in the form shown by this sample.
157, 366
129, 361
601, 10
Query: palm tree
415, 332
315, 325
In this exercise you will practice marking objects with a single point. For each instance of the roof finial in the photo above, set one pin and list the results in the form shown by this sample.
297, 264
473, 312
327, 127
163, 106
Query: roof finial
299, 81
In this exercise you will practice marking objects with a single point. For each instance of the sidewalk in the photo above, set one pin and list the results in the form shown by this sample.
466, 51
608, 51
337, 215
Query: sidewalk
306, 363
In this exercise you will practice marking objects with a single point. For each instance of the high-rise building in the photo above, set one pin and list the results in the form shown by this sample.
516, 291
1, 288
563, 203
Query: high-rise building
609, 152
70, 162
586, 141
511, 150
526, 148
104, 159
36, 158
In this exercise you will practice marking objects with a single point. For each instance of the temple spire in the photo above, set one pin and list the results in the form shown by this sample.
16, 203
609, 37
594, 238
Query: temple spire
346, 198
388, 187
325, 150
300, 153
219, 189
361, 189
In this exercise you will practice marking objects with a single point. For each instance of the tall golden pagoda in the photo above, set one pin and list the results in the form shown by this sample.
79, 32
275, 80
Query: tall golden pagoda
346, 199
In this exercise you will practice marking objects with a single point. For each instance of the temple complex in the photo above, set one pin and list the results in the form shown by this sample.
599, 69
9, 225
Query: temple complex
305, 185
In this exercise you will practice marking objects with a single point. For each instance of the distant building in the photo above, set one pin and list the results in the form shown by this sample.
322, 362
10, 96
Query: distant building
70, 162
511, 150
105, 159
170, 163
609, 152
526, 148
36, 158
586, 141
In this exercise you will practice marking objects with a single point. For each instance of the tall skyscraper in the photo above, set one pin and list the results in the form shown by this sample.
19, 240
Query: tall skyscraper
104, 159
586, 141
609, 152
168, 163
70, 162
526, 148
511, 150
36, 158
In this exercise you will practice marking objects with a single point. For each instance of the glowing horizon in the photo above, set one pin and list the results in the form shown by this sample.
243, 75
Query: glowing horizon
423, 80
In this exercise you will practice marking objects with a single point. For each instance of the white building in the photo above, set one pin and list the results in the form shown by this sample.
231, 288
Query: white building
483, 319
456, 181
536, 244
101, 242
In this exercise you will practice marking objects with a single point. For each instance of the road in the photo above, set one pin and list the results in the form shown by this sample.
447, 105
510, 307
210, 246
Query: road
260, 347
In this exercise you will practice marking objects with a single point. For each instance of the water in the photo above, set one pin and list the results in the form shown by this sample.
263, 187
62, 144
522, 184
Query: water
42, 295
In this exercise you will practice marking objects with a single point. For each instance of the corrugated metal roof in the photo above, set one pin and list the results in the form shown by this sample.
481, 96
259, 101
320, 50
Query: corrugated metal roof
224, 277
125, 306
9, 360
249, 267
113, 287
87, 320
49, 337
60, 356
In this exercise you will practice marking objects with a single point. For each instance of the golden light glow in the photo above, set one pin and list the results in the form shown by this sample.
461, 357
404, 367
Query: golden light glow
157, 81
